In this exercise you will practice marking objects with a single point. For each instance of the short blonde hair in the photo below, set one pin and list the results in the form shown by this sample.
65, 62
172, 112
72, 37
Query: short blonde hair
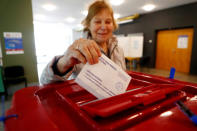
94, 9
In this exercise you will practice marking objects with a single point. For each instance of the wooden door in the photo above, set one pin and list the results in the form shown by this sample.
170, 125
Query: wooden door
174, 49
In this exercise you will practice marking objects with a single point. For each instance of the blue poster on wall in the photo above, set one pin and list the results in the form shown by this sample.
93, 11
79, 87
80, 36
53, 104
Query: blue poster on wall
13, 43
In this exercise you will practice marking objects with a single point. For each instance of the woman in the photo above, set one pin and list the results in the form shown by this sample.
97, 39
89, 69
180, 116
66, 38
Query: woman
98, 25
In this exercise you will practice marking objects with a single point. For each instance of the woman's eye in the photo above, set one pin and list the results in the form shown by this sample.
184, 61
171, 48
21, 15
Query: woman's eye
108, 22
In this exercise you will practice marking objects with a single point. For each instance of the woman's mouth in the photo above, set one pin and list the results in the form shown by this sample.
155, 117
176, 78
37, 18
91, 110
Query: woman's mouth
102, 34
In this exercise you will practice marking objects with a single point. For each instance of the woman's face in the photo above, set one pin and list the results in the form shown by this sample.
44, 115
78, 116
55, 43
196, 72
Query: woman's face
101, 26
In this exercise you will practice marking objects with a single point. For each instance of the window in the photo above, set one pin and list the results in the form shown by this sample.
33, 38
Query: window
51, 39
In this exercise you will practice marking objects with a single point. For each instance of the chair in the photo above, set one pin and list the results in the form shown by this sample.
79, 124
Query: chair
14, 75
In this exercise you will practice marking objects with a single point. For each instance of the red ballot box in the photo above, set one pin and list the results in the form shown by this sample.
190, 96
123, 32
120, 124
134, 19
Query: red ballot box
148, 104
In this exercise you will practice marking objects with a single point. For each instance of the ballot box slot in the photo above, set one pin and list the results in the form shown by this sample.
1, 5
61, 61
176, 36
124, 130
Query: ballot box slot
81, 96
125, 95
136, 83
115, 104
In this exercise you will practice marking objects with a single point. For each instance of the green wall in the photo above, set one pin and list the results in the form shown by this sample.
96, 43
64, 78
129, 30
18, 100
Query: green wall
16, 16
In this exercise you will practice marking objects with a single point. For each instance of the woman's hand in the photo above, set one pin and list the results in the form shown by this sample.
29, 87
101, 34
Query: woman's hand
81, 51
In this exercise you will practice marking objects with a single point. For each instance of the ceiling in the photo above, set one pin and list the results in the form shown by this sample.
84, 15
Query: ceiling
73, 8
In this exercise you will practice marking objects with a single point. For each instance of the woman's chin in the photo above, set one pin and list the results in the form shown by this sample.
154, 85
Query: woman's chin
102, 40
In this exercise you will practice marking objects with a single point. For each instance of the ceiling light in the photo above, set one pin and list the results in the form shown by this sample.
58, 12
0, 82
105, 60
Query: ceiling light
49, 7
70, 19
85, 12
116, 16
148, 7
116, 2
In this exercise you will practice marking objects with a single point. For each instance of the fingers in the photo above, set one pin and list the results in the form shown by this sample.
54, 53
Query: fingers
96, 47
89, 49
85, 51
93, 53
78, 56
70, 58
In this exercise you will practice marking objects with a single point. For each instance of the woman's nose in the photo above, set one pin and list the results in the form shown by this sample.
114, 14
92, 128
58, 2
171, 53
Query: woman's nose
103, 25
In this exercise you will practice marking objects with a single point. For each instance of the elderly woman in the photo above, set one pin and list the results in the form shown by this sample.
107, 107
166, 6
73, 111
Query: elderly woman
99, 25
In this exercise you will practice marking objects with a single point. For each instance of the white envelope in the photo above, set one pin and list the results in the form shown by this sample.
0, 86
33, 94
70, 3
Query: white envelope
104, 79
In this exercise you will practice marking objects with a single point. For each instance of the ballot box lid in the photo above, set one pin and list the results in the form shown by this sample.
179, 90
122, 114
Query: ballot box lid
149, 103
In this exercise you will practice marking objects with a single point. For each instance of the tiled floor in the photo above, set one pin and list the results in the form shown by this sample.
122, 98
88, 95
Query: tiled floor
178, 76
165, 73
7, 105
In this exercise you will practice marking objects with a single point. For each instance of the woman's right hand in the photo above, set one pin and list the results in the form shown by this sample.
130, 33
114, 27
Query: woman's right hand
81, 51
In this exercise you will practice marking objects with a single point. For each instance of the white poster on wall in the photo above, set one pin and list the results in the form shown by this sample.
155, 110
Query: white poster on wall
123, 43
182, 42
132, 44
137, 46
